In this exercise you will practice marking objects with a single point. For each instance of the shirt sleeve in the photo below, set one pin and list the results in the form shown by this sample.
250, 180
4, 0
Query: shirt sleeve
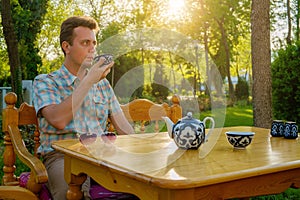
44, 93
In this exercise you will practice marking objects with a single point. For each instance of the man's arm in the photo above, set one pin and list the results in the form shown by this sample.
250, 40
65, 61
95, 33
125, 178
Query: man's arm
121, 124
60, 115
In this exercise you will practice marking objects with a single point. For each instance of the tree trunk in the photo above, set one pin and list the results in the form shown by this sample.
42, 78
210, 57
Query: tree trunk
289, 34
12, 47
227, 63
297, 20
261, 63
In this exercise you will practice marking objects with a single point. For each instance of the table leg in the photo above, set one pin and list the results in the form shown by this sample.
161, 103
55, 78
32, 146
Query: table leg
74, 191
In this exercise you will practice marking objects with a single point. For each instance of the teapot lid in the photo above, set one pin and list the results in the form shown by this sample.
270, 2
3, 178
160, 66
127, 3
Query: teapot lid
189, 118
189, 115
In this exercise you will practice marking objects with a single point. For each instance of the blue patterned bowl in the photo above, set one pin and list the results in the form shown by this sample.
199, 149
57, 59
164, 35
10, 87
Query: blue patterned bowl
238, 139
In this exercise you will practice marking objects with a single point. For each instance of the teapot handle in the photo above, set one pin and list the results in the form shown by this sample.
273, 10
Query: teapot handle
211, 128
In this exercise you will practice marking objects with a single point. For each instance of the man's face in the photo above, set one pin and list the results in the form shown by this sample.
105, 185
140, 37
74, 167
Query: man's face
84, 46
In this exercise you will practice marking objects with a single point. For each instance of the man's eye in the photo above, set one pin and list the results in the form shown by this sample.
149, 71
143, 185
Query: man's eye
85, 43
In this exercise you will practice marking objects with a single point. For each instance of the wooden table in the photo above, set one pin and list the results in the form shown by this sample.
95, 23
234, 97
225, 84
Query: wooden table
152, 167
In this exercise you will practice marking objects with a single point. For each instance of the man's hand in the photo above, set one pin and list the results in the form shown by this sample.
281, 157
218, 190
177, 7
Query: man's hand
99, 71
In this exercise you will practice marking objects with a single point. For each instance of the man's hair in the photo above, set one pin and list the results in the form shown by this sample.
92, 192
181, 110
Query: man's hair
67, 27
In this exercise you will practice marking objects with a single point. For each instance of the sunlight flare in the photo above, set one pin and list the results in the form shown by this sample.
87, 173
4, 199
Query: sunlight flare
176, 9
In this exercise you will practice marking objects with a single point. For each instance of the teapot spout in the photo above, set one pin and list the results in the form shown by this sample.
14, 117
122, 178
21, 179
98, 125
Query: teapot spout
170, 125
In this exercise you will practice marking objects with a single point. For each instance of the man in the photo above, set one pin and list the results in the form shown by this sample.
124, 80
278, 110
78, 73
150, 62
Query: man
62, 93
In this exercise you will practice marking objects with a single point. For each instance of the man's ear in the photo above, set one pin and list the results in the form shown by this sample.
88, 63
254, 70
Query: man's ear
65, 46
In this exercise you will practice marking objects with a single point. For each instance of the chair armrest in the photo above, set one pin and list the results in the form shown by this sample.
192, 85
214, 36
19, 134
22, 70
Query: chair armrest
36, 165
16, 192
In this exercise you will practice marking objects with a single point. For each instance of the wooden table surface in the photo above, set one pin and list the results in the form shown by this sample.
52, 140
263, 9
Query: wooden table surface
152, 167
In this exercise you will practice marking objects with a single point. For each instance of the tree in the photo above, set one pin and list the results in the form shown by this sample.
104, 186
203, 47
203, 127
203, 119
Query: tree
12, 48
28, 18
219, 26
159, 91
286, 83
261, 63
21, 21
288, 11
297, 19
48, 38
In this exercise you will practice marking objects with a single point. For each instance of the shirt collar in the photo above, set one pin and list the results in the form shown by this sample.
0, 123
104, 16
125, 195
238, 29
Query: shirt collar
69, 77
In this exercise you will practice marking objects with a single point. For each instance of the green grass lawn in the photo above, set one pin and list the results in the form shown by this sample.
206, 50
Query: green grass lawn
241, 115
233, 116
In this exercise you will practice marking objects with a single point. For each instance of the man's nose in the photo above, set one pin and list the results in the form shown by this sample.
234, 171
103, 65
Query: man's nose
92, 49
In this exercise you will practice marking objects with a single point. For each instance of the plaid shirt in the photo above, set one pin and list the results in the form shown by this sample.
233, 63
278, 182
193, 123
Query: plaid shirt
53, 88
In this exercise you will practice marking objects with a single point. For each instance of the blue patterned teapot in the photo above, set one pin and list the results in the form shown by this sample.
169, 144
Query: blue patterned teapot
188, 132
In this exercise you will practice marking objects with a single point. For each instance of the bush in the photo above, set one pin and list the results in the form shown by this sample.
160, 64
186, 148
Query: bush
242, 89
286, 83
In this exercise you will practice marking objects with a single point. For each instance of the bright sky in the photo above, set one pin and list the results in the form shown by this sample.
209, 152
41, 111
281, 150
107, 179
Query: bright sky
175, 6
175, 10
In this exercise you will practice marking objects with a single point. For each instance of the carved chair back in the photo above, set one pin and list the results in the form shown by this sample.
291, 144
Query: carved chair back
142, 112
12, 119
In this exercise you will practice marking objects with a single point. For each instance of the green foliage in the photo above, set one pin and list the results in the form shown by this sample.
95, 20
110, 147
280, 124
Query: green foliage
290, 193
138, 14
27, 17
124, 64
159, 89
4, 72
112, 29
160, 92
48, 38
27, 134
28, 137
224, 23
286, 83
242, 89
49, 66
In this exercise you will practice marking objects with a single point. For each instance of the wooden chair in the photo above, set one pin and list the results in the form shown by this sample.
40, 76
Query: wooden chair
12, 119
142, 111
